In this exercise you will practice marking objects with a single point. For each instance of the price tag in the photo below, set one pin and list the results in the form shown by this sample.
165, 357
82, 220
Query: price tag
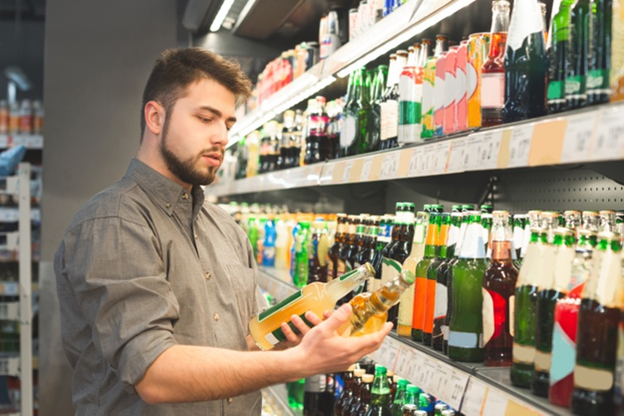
474, 151
427, 373
404, 362
366, 169
390, 166
458, 154
610, 136
473, 398
491, 148
440, 376
454, 388
520, 145
428, 159
441, 157
346, 173
578, 137
415, 164
387, 354
328, 174
495, 404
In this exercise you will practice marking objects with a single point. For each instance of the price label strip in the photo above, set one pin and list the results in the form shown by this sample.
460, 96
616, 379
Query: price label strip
472, 403
443, 151
609, 142
458, 151
454, 388
327, 174
390, 165
404, 362
520, 145
346, 173
495, 404
366, 169
415, 163
474, 151
578, 138
484, 149
428, 159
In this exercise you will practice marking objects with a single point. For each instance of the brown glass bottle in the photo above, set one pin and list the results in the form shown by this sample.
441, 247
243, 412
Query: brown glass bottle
358, 242
334, 251
401, 251
347, 390
499, 283
354, 400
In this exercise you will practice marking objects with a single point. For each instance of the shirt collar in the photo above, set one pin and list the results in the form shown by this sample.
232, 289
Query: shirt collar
165, 192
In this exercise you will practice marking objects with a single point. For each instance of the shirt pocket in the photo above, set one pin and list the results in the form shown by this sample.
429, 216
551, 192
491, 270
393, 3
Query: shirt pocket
244, 282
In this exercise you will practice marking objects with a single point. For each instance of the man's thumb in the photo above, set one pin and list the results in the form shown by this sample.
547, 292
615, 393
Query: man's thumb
339, 317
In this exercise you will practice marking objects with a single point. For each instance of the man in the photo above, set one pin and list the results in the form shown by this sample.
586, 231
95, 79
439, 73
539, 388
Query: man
156, 287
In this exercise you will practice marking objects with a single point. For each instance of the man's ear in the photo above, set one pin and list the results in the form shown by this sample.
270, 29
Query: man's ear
154, 114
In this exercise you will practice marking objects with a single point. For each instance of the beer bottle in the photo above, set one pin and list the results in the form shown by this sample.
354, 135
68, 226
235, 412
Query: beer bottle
367, 251
439, 88
441, 289
317, 297
578, 55
317, 267
395, 237
365, 396
297, 140
452, 254
392, 379
406, 305
350, 135
344, 255
399, 253
557, 52
333, 253
378, 87
607, 220
380, 394
598, 323
409, 114
347, 391
420, 294
383, 239
439, 408
365, 110
383, 107
466, 326
354, 399
430, 101
493, 69
552, 288
283, 161
313, 391
566, 322
462, 86
370, 310
499, 282
396, 408
432, 278
572, 221
473, 80
525, 64
390, 112
358, 242
591, 221
518, 237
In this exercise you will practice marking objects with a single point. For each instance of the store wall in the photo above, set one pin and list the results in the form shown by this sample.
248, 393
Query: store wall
98, 55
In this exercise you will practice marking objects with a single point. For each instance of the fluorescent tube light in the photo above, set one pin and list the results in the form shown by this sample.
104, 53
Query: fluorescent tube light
221, 14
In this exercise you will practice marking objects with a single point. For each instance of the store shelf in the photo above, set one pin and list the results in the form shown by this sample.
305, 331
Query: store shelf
411, 19
12, 288
472, 388
9, 364
584, 136
31, 141
276, 401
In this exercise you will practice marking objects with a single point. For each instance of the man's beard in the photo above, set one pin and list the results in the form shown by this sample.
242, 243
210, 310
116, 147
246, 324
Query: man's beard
185, 169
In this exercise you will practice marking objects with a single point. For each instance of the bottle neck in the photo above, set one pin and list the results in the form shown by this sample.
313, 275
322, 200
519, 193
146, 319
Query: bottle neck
473, 246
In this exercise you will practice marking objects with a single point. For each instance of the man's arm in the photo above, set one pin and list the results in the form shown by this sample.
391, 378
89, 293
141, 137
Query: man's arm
188, 373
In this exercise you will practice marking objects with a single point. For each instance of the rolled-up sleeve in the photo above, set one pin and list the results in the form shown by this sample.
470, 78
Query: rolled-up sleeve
118, 275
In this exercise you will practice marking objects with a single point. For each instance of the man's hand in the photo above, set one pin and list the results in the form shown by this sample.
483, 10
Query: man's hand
293, 339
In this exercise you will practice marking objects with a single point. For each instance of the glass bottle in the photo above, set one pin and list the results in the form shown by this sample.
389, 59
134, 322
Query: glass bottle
367, 251
432, 279
390, 109
380, 394
313, 392
598, 80
566, 322
365, 396
499, 282
384, 110
526, 65
447, 252
557, 52
358, 243
458, 223
350, 138
409, 113
352, 223
552, 288
366, 142
396, 408
427, 108
302, 252
598, 323
406, 305
318, 297
347, 390
377, 89
493, 69
319, 248
439, 87
466, 326
383, 239
578, 55
354, 399
420, 294
334, 251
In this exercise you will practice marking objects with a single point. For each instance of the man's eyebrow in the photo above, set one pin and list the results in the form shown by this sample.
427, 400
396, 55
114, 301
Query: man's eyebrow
217, 113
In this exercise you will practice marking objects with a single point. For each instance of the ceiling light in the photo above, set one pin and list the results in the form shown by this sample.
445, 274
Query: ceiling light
221, 15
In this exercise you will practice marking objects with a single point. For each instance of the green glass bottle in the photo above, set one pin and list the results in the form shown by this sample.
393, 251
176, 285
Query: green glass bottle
598, 80
459, 221
422, 285
526, 65
396, 409
366, 143
377, 89
578, 55
350, 135
302, 254
380, 394
466, 325
558, 43
432, 280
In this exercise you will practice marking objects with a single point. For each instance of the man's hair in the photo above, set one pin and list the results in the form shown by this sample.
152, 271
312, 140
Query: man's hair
178, 68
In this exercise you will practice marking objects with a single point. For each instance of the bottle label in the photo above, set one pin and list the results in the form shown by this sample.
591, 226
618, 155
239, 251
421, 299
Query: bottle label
488, 315
543, 361
316, 384
598, 81
406, 307
389, 270
492, 90
471, 80
593, 379
441, 302
350, 129
556, 91
523, 354
341, 268
473, 246
383, 132
464, 339
419, 234
280, 306
563, 357
420, 291
575, 87
277, 336
603, 287
526, 19
512, 316
392, 112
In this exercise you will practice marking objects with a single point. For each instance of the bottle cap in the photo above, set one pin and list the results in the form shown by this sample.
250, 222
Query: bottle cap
359, 372
367, 378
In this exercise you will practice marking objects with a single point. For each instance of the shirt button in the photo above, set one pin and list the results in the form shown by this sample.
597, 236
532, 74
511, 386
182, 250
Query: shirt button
216, 316
195, 236
168, 205
185, 196
229, 400
207, 275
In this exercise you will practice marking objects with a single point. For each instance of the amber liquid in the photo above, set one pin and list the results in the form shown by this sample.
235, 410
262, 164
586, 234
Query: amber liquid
500, 281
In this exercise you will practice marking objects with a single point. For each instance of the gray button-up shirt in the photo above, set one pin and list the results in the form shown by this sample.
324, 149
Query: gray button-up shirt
144, 266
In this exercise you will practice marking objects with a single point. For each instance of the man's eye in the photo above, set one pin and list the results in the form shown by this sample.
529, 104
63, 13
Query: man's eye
204, 119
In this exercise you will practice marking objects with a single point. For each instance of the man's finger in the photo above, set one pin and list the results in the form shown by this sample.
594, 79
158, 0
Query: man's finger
339, 317
288, 333
300, 324
313, 318
327, 314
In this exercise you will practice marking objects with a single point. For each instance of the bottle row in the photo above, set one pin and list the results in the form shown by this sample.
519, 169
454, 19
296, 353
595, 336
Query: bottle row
436, 89
336, 27
364, 389
21, 118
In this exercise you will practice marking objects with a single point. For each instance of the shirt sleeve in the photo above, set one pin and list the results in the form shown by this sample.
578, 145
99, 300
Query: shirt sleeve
118, 275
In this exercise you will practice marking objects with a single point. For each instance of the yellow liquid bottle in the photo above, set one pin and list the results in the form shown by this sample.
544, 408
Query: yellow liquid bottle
370, 310
316, 297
